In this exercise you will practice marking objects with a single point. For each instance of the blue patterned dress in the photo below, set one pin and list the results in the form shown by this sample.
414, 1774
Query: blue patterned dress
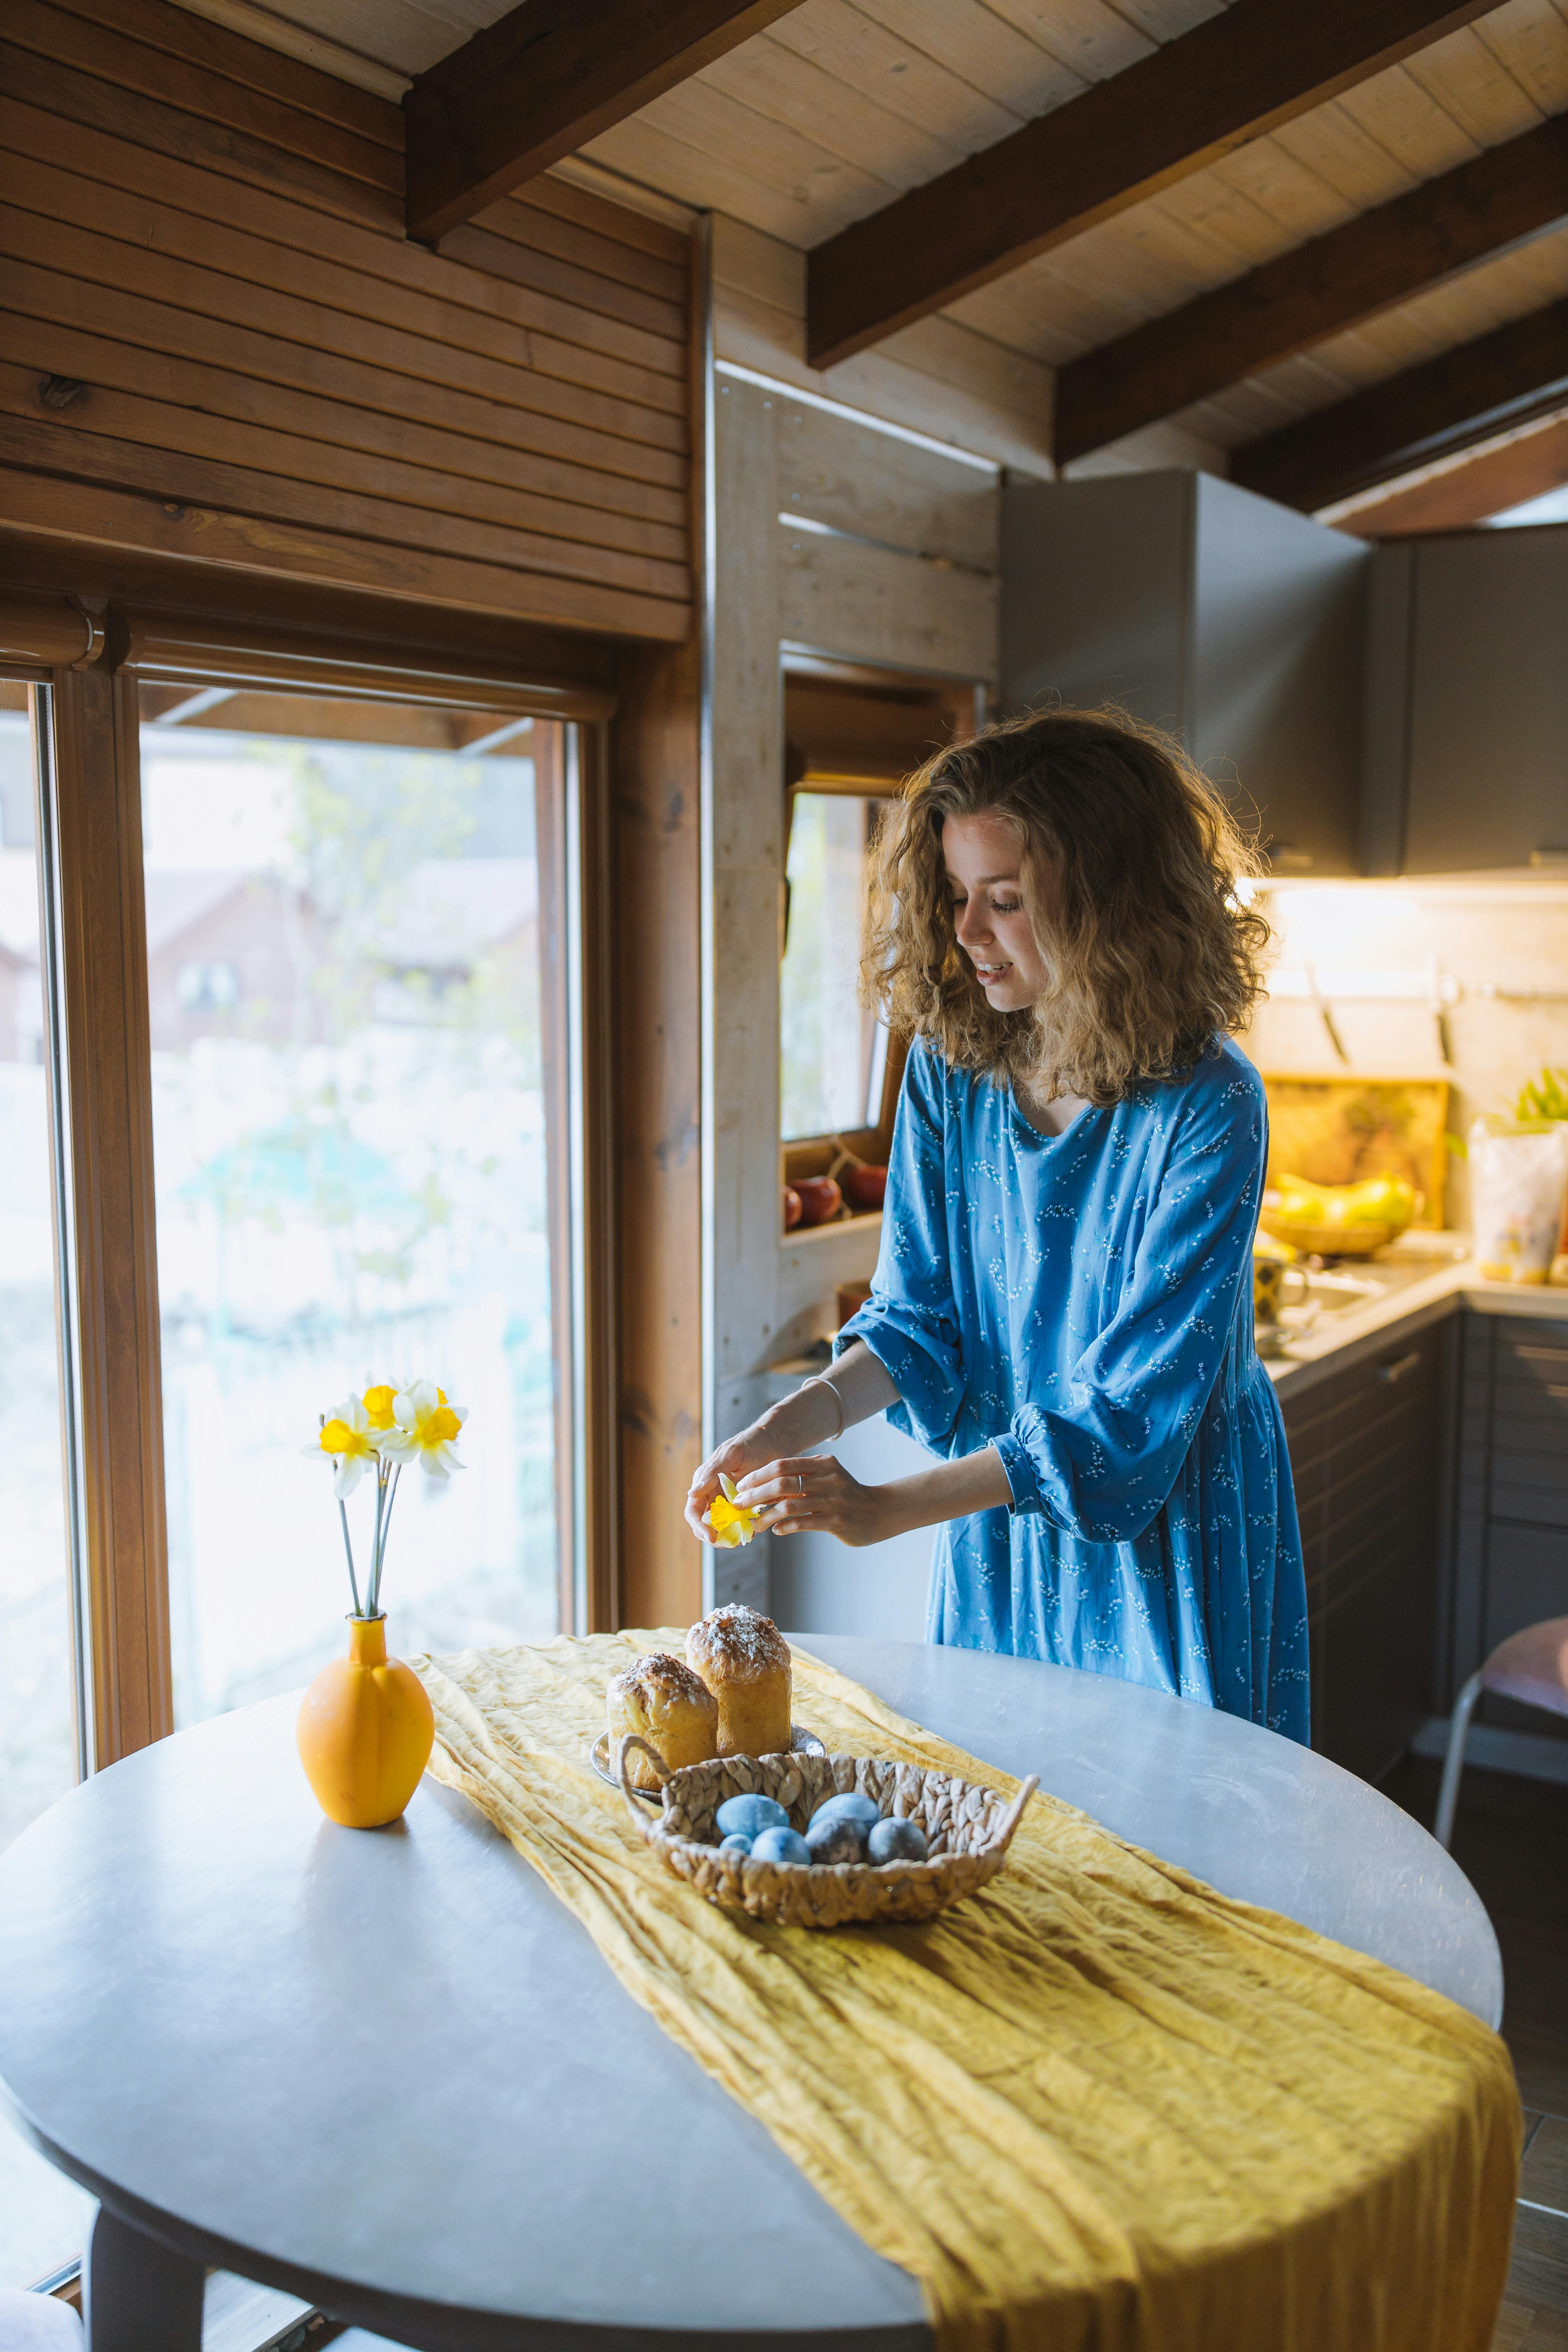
1084, 1303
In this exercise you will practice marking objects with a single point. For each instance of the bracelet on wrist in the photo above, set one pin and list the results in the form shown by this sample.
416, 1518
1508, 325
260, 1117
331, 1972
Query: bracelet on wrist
821, 1380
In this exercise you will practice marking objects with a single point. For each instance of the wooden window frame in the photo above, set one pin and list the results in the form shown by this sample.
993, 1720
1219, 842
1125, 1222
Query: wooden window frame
892, 722
92, 659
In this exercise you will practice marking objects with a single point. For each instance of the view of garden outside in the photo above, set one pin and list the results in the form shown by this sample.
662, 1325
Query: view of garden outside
350, 1157
42, 2214
37, 1735
830, 1062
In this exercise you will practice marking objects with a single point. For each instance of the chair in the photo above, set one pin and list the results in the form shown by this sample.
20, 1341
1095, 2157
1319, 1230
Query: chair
1532, 1665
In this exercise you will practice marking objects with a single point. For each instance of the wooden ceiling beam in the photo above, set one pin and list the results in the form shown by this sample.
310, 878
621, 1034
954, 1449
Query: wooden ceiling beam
1502, 475
1320, 289
1468, 395
1243, 72
545, 80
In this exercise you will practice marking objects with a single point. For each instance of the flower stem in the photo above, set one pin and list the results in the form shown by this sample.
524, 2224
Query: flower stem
353, 1585
383, 1527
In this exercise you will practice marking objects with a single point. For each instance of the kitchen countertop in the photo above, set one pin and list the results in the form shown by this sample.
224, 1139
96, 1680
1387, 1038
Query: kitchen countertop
1416, 1300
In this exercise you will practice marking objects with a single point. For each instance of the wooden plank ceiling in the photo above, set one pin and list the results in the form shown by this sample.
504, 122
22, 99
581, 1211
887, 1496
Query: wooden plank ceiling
839, 108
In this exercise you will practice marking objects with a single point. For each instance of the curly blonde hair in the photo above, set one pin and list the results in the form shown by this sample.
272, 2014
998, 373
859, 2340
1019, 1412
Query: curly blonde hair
1151, 955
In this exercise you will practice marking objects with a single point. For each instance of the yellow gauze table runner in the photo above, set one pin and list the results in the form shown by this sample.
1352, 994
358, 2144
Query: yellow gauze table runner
1098, 2108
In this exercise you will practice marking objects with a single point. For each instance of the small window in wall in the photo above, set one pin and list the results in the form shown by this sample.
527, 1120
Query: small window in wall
356, 985
834, 1052
851, 739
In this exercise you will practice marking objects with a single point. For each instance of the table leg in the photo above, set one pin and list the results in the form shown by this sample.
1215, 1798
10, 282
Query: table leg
137, 2295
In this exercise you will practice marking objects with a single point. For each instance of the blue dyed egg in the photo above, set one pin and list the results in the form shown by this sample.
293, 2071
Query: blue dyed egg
779, 1846
836, 1837
850, 1807
735, 1844
893, 1840
744, 1816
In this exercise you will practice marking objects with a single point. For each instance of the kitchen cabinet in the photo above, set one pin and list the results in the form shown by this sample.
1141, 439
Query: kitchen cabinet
1367, 1451
1236, 623
1467, 741
1510, 1550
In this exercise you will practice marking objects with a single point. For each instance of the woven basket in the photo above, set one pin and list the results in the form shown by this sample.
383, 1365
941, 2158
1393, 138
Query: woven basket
968, 1828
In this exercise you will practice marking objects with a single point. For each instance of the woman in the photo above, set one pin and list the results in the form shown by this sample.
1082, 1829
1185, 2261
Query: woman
1063, 1302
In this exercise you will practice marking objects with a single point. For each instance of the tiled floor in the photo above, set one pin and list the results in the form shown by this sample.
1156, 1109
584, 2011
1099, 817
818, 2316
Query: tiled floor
1512, 1842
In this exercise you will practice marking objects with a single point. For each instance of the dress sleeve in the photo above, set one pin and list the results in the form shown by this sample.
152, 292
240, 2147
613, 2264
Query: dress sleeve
1100, 1464
909, 1322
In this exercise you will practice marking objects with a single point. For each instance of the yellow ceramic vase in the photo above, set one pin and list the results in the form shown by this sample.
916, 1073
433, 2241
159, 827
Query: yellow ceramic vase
365, 1731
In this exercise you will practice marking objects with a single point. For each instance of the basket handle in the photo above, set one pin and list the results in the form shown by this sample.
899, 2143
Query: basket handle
630, 1741
1014, 1812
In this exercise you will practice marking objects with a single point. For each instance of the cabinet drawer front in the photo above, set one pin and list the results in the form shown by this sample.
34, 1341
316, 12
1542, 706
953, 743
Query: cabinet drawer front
1527, 1579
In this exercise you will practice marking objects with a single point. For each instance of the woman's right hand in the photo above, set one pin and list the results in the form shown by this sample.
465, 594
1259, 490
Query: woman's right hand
753, 1449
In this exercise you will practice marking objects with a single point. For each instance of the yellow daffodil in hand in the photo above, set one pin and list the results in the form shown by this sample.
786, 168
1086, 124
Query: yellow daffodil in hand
425, 1429
348, 1440
731, 1522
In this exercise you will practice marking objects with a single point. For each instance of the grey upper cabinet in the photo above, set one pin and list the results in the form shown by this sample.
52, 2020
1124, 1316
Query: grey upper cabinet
1468, 703
1236, 623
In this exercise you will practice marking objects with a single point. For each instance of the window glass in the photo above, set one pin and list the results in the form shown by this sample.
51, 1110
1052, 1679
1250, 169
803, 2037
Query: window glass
43, 2216
834, 1054
354, 1170
38, 1722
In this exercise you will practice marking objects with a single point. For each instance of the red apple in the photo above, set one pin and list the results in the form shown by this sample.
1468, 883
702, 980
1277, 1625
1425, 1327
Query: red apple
792, 1211
864, 1187
820, 1199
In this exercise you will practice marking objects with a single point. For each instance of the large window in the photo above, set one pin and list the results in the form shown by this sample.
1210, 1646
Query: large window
42, 2214
38, 1725
358, 1033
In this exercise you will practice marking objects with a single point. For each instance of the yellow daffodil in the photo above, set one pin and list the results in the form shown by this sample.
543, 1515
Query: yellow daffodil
378, 1405
425, 1429
731, 1522
349, 1443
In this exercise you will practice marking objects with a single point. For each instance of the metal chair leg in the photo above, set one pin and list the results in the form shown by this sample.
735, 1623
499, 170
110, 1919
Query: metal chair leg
1453, 1762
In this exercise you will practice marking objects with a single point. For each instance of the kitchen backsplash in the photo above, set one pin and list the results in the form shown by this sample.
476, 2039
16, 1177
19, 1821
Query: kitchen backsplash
1465, 978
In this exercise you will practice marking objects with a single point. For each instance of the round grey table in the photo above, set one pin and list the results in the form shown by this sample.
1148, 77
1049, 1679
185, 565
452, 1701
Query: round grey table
388, 2071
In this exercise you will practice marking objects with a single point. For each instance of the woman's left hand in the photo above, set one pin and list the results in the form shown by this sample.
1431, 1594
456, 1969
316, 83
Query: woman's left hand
813, 1494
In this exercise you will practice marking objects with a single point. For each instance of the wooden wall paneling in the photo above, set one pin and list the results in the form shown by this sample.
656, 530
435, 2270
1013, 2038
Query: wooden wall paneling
531, 88
82, 97
657, 788
834, 471
292, 82
183, 335
133, 450
216, 332
49, 506
350, 264
95, 46
877, 605
283, 294
97, 844
358, 447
